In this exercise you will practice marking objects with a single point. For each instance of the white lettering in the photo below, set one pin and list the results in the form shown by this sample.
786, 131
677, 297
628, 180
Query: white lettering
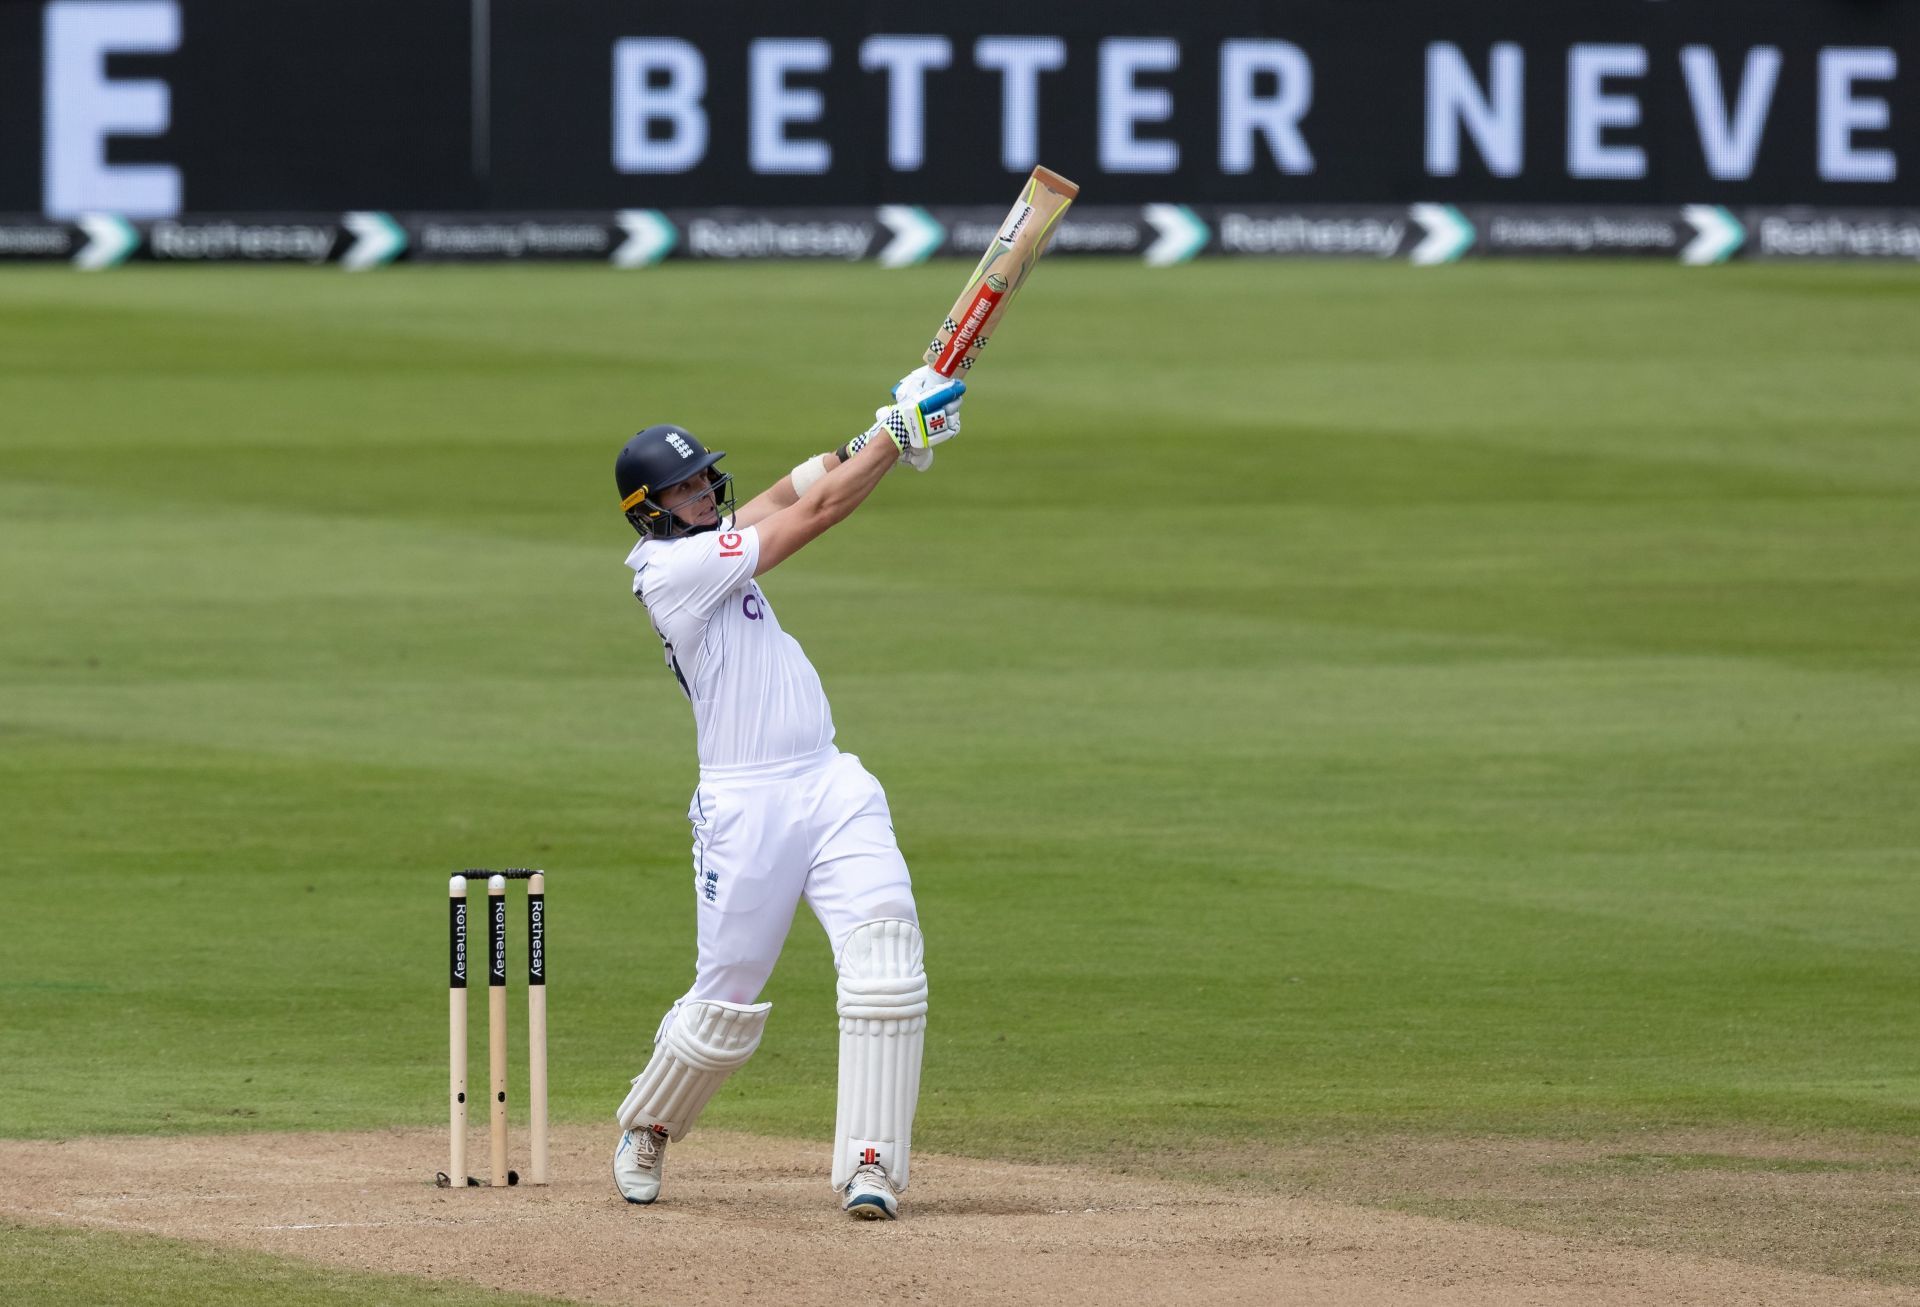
25, 242
1730, 149
1842, 113
1294, 233
1827, 237
907, 60
761, 238
82, 108
1124, 104
233, 240
1276, 117
1072, 234
1020, 60
1511, 232
511, 240
1094, 235
772, 104
1590, 111
658, 80
1496, 120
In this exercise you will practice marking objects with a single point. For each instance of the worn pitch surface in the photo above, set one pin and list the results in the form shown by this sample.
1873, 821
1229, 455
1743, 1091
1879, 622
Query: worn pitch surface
750, 1219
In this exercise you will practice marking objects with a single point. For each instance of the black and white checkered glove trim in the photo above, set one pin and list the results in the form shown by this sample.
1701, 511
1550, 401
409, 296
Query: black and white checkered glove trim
914, 428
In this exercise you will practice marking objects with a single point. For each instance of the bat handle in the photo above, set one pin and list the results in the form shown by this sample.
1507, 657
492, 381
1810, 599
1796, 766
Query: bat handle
936, 371
939, 399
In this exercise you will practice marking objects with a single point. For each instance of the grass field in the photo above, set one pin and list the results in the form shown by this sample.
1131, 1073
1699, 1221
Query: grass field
1316, 701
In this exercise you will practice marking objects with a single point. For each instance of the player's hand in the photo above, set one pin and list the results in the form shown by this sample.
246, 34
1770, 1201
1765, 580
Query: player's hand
926, 423
918, 426
915, 428
918, 384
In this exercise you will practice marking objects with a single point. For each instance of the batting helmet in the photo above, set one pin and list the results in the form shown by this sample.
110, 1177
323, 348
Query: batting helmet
658, 458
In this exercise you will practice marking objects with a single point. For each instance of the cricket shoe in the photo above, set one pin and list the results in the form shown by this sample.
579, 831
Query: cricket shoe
870, 1195
637, 1164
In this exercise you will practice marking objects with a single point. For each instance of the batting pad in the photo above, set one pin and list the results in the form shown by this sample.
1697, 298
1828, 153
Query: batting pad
700, 1044
883, 1033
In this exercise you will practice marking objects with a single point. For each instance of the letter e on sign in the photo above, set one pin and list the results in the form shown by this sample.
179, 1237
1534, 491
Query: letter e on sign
83, 109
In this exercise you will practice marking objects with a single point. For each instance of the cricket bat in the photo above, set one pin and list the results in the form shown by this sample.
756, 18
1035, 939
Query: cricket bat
1002, 270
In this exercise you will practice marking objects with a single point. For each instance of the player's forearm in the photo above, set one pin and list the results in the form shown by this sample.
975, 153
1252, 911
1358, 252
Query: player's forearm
850, 480
780, 494
775, 497
786, 492
807, 474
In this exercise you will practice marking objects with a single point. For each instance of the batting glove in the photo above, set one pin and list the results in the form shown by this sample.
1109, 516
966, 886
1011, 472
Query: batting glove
915, 427
918, 384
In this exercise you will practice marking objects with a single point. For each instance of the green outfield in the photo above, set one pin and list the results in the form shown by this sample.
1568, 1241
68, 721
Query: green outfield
1317, 702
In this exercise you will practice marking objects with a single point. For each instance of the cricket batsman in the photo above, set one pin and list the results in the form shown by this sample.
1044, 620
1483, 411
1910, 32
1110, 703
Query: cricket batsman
780, 814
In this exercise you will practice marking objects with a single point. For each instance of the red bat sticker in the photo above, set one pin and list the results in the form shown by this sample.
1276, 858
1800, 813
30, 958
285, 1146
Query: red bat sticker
985, 301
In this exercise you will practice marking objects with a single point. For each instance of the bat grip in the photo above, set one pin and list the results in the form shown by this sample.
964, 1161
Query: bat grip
939, 399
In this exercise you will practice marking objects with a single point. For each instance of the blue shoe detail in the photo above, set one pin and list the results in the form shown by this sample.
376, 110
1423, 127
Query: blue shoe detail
871, 1207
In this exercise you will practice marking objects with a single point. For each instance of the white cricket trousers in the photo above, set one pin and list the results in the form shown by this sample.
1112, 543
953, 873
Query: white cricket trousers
766, 837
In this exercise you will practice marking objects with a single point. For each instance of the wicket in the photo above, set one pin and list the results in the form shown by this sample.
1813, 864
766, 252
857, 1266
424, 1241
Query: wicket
456, 1172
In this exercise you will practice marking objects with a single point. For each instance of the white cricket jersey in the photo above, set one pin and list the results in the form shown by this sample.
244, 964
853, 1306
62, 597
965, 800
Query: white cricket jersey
756, 699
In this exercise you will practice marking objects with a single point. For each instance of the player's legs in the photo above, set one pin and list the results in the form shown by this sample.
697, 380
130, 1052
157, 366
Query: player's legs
699, 1044
857, 873
750, 864
749, 870
860, 890
883, 1029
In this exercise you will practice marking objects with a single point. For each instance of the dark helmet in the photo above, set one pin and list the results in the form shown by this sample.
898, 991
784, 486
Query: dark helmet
659, 457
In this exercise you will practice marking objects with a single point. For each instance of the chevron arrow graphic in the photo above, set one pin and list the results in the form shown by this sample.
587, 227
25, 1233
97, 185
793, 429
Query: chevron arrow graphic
650, 238
1718, 234
110, 240
1179, 234
1448, 234
916, 235
377, 240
